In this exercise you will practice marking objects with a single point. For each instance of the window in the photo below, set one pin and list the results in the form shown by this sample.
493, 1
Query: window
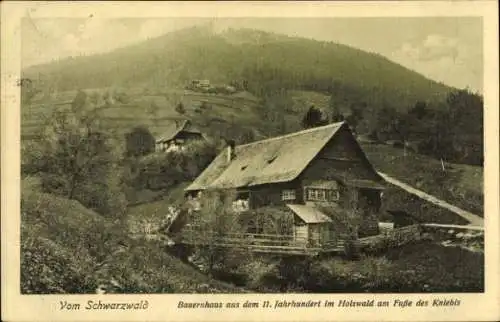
333, 195
314, 194
240, 205
288, 194
271, 160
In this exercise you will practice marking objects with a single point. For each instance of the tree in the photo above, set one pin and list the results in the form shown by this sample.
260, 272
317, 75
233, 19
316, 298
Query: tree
420, 110
28, 90
451, 129
337, 116
108, 99
247, 136
153, 109
356, 115
139, 142
153, 112
95, 99
215, 221
180, 108
348, 221
79, 160
313, 118
385, 123
79, 101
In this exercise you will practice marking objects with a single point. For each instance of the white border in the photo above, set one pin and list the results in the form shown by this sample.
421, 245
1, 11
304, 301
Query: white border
163, 307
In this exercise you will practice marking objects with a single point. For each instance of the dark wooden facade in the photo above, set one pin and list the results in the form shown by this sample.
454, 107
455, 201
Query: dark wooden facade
328, 175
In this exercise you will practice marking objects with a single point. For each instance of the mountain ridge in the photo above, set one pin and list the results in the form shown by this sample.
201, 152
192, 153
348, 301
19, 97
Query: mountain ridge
267, 60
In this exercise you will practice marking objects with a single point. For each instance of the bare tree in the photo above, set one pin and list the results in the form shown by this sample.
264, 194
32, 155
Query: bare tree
215, 223
79, 160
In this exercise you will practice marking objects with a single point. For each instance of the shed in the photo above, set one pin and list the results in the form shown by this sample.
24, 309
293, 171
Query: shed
310, 225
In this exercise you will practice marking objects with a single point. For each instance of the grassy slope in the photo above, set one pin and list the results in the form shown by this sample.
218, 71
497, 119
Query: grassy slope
61, 236
155, 212
461, 185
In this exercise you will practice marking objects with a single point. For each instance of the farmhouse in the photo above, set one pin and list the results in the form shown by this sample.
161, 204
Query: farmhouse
307, 173
177, 134
200, 83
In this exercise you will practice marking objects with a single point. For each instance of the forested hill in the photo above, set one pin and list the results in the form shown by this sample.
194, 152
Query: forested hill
265, 61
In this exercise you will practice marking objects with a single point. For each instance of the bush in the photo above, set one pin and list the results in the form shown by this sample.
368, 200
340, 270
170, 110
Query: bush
139, 142
261, 275
47, 267
165, 170
62, 244
338, 275
270, 220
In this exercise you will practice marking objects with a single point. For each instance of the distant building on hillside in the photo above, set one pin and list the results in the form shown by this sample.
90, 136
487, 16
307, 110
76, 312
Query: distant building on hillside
200, 83
305, 172
177, 135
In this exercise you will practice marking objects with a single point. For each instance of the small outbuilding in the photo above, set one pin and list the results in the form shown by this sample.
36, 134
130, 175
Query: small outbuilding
310, 225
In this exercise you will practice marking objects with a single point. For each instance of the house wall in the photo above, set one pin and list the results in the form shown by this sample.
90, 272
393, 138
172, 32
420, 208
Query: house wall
188, 136
174, 144
340, 159
301, 233
271, 194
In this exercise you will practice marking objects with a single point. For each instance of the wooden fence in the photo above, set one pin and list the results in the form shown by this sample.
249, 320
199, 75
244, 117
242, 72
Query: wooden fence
268, 243
290, 244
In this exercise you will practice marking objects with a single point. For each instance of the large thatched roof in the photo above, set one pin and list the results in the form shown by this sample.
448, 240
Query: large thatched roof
278, 159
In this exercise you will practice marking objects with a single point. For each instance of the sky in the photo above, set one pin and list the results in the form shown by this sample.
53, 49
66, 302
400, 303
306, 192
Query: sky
445, 49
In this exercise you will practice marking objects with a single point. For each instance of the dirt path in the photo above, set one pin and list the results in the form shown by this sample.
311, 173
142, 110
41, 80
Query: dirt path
474, 220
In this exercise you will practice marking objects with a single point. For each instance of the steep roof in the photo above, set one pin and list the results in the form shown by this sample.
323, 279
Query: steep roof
174, 128
309, 214
278, 159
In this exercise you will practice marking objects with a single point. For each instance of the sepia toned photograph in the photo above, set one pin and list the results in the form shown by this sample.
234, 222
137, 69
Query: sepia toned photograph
252, 155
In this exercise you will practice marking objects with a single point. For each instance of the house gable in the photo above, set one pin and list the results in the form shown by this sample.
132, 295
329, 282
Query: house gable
341, 159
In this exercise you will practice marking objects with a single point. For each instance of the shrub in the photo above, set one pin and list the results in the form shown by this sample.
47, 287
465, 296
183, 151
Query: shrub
165, 170
47, 267
367, 274
139, 141
62, 244
270, 220
261, 275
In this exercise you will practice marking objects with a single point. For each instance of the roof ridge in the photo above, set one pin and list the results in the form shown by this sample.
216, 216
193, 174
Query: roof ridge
295, 133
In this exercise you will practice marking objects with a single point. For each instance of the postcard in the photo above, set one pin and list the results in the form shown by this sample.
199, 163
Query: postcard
247, 161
